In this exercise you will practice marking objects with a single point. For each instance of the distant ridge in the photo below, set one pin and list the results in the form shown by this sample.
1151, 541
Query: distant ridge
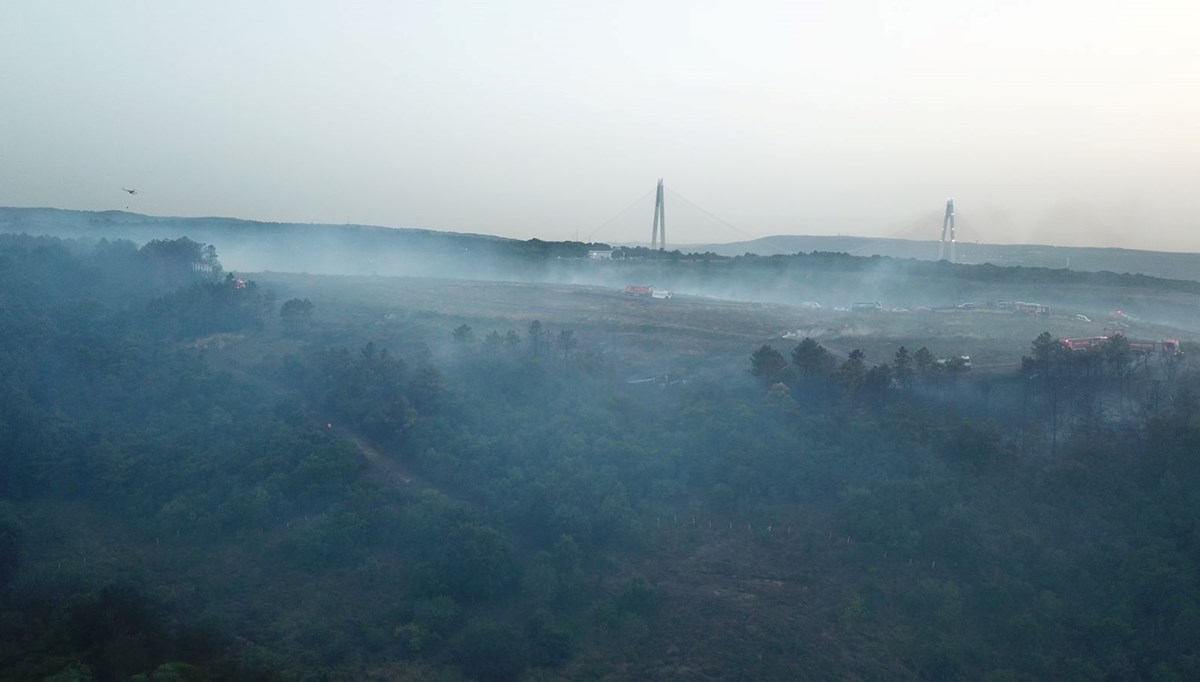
69, 222
251, 245
1166, 264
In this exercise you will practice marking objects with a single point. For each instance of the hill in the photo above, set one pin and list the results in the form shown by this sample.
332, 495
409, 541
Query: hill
1154, 263
253, 246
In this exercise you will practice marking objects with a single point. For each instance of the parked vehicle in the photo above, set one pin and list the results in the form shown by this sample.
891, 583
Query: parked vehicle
1140, 346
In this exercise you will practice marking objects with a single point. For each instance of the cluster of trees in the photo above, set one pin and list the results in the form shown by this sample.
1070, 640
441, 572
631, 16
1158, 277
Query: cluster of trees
538, 341
212, 307
106, 409
36, 269
113, 633
1112, 359
367, 391
922, 272
176, 263
815, 374
1030, 580
93, 409
1081, 456
296, 316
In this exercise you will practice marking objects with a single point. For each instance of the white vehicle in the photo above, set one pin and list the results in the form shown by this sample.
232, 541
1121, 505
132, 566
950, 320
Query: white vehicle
1083, 318
811, 305
960, 362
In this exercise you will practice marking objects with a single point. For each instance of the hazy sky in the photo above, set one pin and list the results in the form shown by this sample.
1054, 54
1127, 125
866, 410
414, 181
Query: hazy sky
1054, 121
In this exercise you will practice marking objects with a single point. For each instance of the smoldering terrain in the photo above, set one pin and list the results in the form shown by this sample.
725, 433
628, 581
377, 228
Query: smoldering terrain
501, 461
1135, 282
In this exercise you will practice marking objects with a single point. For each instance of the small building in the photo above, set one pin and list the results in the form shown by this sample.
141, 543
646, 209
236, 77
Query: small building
600, 255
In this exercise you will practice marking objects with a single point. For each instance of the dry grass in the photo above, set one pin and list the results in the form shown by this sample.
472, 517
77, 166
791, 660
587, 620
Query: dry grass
647, 337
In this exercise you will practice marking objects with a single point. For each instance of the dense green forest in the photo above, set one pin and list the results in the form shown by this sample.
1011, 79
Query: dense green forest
505, 507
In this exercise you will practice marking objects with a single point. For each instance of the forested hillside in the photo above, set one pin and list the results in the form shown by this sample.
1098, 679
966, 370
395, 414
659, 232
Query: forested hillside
201, 481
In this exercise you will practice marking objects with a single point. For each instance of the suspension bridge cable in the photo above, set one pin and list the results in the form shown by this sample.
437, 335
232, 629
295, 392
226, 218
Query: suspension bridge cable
868, 245
726, 223
620, 213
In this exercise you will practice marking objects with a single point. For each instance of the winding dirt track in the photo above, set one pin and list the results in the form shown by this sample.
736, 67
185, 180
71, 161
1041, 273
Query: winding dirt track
384, 467
391, 472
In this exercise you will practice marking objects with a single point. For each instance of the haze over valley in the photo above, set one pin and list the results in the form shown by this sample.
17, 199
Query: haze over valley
535, 342
451, 456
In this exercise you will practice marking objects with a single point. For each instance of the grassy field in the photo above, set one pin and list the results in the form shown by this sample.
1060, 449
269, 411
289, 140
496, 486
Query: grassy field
645, 337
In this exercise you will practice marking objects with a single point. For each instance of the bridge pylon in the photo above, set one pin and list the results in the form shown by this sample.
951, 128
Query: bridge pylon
947, 228
660, 220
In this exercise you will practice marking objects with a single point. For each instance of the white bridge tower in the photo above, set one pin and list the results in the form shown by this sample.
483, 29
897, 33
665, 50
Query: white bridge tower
947, 227
660, 218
